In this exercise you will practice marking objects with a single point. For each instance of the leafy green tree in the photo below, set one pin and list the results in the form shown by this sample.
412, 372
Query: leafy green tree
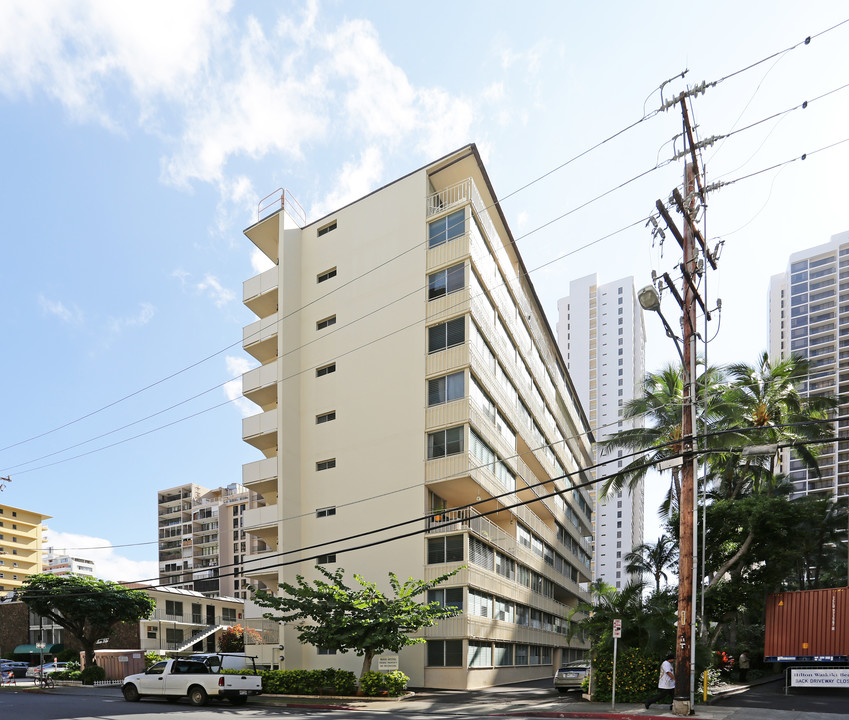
337, 617
653, 559
648, 623
86, 607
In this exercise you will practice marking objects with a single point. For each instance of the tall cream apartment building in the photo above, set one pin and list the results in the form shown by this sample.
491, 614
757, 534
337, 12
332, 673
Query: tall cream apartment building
407, 372
21, 543
809, 316
601, 333
202, 541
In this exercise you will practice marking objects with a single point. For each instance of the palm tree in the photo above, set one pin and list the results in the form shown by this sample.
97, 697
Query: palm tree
653, 559
766, 397
659, 436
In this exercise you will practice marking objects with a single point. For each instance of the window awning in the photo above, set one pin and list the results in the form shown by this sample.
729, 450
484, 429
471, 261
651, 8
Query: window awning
49, 649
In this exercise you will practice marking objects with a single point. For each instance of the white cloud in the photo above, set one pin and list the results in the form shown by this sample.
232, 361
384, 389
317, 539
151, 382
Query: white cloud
522, 220
215, 290
236, 367
354, 181
73, 50
260, 262
109, 563
57, 308
232, 89
144, 316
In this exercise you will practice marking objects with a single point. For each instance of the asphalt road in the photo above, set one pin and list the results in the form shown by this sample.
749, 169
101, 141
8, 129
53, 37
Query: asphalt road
808, 700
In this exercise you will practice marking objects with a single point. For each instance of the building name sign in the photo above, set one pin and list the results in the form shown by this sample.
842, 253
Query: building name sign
819, 677
387, 663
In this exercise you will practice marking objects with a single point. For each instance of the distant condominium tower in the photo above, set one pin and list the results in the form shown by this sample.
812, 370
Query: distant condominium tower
202, 541
809, 316
21, 545
602, 336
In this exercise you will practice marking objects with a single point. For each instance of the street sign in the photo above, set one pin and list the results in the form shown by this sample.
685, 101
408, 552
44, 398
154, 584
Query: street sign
41, 645
617, 628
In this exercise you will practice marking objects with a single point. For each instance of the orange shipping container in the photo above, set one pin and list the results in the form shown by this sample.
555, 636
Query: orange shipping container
808, 625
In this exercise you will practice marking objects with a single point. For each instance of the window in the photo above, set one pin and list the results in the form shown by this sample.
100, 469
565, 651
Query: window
445, 653
446, 228
326, 651
446, 335
325, 370
327, 322
173, 608
446, 389
447, 281
326, 559
325, 464
480, 603
326, 275
325, 512
444, 442
326, 229
480, 654
172, 636
228, 614
445, 549
326, 417
503, 654
449, 597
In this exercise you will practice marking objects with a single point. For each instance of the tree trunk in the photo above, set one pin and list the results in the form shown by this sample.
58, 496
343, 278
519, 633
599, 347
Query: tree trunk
732, 561
368, 656
88, 647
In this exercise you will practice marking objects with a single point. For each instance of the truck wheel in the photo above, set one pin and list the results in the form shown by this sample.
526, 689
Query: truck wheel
131, 693
238, 700
198, 696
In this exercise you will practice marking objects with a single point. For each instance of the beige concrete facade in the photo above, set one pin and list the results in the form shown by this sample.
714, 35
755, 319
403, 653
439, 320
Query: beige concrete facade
202, 542
407, 372
21, 545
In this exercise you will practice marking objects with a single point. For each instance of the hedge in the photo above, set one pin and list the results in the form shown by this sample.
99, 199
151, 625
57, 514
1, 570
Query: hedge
636, 676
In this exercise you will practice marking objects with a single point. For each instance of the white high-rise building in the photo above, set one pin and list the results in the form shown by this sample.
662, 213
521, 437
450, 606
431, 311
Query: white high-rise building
602, 336
809, 316
59, 563
407, 373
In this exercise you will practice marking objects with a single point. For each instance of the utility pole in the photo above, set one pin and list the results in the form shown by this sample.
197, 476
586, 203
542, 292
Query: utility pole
691, 242
683, 646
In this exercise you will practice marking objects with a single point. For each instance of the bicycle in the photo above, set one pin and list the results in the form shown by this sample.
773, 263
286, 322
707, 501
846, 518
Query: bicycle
44, 681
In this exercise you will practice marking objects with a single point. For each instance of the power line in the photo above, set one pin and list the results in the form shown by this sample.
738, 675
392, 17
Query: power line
424, 518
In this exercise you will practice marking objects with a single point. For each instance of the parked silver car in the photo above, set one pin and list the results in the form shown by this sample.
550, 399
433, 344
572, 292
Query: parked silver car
47, 669
571, 675
18, 669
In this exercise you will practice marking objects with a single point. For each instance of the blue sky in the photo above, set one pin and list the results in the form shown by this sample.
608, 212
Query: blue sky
138, 138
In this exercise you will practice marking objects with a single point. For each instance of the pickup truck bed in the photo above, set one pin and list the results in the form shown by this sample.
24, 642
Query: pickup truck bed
173, 679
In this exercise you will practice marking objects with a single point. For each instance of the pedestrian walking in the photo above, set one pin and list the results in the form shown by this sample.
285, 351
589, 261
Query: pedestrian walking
744, 663
665, 683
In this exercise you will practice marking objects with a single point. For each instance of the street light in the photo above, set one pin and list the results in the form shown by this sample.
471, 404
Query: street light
650, 300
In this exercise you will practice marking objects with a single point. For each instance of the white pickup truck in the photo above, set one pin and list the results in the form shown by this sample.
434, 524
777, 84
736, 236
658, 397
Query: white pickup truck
184, 677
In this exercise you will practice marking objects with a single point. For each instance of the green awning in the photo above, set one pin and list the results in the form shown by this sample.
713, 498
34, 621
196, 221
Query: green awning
33, 650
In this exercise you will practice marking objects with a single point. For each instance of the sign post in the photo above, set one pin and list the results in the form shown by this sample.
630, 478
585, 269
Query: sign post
617, 633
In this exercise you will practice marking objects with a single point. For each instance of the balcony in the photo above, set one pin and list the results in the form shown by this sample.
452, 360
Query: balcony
261, 431
259, 293
261, 522
258, 566
260, 339
260, 385
261, 477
